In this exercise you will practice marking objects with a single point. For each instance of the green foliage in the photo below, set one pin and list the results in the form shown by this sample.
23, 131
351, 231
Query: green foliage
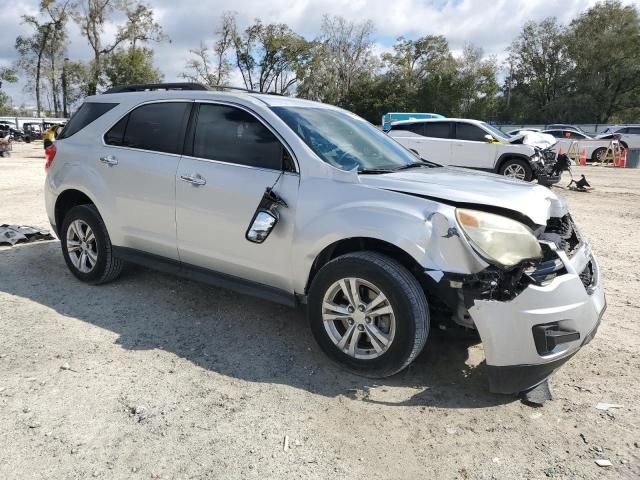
131, 65
586, 72
8, 75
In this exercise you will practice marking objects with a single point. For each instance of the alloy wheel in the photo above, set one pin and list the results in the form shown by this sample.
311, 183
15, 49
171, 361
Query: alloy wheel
358, 318
515, 170
81, 246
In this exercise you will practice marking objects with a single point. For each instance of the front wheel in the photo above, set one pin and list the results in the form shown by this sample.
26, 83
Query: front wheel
368, 313
518, 169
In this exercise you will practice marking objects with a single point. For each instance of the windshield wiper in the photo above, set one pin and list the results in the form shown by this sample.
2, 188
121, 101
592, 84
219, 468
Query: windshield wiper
374, 171
423, 163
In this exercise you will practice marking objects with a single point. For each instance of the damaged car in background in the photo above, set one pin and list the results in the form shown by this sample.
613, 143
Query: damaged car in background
462, 142
304, 203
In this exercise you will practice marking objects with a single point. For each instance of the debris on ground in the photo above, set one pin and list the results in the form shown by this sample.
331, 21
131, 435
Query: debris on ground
601, 462
537, 395
12, 234
606, 406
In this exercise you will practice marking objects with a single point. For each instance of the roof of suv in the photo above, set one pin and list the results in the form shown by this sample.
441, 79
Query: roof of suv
437, 120
258, 98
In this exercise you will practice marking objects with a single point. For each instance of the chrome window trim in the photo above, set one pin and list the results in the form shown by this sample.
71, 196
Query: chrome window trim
201, 101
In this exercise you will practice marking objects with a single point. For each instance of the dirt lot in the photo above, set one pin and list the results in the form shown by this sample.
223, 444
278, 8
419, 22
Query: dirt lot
157, 377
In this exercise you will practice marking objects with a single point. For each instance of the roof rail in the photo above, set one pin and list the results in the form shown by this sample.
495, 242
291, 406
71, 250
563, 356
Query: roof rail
141, 87
243, 89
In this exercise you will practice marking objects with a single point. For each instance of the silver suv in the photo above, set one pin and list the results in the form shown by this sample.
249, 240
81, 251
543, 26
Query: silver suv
304, 203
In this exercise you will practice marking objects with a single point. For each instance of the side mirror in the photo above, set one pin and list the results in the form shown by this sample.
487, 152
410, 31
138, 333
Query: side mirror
489, 138
262, 225
266, 216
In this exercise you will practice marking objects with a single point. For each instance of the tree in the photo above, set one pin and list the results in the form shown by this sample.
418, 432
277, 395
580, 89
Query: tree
202, 69
604, 45
339, 58
7, 75
539, 68
46, 38
92, 17
132, 65
475, 84
270, 56
412, 61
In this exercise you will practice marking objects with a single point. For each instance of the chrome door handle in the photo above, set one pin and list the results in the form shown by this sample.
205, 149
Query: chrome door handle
194, 179
109, 160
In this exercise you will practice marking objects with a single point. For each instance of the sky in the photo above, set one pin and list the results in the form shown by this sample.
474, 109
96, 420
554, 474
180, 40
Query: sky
489, 24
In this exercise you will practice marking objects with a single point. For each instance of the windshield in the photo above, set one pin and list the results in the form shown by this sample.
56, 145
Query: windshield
497, 134
344, 140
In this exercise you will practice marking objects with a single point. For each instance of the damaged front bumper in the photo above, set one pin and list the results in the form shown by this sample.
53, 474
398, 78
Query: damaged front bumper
528, 337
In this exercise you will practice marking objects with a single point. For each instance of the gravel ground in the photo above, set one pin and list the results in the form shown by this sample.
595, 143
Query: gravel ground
153, 376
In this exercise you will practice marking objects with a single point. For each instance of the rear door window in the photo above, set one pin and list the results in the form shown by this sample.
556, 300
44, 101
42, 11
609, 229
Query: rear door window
437, 129
410, 127
158, 127
86, 114
634, 130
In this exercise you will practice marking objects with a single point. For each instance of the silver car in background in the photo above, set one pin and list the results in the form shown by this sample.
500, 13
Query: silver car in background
305, 203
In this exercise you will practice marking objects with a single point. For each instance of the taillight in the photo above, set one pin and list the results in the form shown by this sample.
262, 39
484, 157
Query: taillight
49, 155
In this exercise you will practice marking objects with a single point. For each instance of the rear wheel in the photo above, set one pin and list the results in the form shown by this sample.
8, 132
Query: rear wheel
368, 313
86, 246
516, 168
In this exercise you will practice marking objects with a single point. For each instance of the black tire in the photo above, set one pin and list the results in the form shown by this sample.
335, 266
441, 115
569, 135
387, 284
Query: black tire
597, 153
528, 171
405, 296
107, 266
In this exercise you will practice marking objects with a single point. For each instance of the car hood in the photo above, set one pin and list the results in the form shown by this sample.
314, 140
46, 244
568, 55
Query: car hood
460, 186
536, 139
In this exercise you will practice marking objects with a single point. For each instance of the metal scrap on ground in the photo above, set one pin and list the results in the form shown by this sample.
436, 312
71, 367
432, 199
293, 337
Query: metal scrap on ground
12, 234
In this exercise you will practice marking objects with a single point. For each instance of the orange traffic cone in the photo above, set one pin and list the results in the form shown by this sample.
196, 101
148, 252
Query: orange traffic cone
623, 159
583, 157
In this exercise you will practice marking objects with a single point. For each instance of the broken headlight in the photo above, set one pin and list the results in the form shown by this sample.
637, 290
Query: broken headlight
497, 238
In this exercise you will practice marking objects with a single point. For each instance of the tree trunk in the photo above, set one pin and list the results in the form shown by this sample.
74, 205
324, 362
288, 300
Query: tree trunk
38, 67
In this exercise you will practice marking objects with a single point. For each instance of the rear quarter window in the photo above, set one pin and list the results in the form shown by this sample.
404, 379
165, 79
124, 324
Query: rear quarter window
86, 114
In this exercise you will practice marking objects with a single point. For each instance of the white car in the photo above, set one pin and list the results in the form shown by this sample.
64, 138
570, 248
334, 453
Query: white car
473, 144
520, 131
594, 147
627, 135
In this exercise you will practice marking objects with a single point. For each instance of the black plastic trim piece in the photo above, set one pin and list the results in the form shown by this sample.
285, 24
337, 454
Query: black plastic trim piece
199, 274
550, 335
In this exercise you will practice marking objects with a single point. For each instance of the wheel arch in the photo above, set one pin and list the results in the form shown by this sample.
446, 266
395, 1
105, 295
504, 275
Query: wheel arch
505, 157
66, 201
356, 244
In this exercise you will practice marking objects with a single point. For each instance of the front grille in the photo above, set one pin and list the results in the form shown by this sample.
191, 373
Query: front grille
562, 232
587, 276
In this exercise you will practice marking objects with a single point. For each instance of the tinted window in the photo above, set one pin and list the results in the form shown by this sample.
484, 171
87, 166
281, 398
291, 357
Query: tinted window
87, 113
156, 126
634, 130
466, 131
232, 135
410, 127
555, 133
437, 129
115, 136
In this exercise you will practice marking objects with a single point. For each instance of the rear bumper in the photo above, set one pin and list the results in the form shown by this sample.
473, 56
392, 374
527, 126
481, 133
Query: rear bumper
519, 356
